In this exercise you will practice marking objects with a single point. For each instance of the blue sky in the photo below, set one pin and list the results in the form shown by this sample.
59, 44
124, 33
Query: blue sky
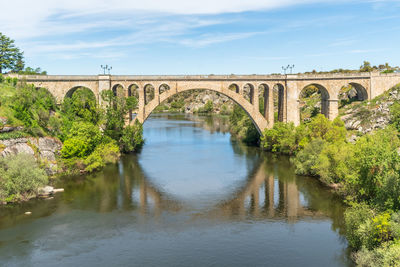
203, 37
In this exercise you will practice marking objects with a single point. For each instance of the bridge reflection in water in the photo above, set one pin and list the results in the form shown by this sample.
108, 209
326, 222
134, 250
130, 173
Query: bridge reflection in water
265, 194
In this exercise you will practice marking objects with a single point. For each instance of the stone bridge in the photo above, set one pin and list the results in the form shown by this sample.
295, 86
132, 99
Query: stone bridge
245, 90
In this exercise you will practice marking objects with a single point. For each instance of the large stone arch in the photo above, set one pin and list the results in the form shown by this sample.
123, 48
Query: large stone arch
325, 97
72, 90
258, 119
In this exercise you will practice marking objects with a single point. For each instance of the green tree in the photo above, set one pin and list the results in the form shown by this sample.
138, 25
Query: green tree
116, 110
366, 67
11, 58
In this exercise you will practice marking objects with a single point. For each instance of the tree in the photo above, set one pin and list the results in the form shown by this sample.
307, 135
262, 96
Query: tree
11, 58
366, 67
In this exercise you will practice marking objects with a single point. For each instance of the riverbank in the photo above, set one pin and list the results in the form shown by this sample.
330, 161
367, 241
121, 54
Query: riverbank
365, 173
74, 137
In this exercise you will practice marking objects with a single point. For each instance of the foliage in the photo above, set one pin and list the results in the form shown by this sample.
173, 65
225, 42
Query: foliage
375, 170
115, 113
32, 71
281, 138
103, 154
11, 58
395, 115
354, 217
306, 161
208, 107
33, 106
243, 127
82, 140
332, 165
132, 138
20, 177
387, 255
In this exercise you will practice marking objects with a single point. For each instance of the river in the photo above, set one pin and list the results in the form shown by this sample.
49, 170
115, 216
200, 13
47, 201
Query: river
191, 197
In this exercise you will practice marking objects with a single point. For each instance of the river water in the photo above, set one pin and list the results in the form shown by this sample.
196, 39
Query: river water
191, 197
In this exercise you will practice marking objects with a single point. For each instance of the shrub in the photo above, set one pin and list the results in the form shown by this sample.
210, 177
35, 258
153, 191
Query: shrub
385, 256
306, 161
20, 177
375, 170
332, 164
81, 140
102, 155
354, 217
281, 138
208, 107
132, 137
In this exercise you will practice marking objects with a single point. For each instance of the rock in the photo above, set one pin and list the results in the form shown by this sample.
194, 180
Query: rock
58, 190
16, 146
7, 129
46, 191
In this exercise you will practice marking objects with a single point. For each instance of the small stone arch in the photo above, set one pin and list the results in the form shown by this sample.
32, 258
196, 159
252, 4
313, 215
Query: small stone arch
163, 88
248, 92
133, 90
118, 90
264, 94
234, 87
279, 101
325, 97
352, 92
148, 93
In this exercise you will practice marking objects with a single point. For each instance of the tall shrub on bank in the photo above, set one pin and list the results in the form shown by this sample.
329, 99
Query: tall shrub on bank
20, 177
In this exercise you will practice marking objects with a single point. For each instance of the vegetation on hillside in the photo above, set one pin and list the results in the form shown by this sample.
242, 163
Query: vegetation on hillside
366, 173
92, 136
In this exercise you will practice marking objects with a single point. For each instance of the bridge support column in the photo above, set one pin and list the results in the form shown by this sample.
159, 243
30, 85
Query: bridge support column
104, 84
157, 92
269, 106
141, 109
292, 103
256, 99
333, 108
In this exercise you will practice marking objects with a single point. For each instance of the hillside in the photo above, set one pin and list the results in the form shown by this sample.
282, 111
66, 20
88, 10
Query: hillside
367, 116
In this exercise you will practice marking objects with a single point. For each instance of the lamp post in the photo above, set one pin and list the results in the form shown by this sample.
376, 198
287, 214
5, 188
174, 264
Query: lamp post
106, 68
288, 67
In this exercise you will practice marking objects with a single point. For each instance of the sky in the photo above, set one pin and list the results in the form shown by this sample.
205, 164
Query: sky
163, 37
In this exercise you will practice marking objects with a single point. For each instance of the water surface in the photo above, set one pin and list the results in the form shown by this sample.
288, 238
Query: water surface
191, 197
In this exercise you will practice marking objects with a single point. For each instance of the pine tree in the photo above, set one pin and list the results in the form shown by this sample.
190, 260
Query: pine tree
11, 58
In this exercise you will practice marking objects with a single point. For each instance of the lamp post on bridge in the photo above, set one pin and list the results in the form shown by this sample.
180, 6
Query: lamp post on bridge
288, 67
106, 68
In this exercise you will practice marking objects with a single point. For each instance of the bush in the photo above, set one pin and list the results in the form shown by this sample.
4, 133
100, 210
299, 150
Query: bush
332, 164
81, 140
102, 155
132, 138
307, 160
354, 217
208, 107
375, 170
20, 177
385, 256
281, 138
242, 127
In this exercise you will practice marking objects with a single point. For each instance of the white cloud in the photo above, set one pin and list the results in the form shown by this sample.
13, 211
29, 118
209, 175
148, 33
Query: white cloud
26, 19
